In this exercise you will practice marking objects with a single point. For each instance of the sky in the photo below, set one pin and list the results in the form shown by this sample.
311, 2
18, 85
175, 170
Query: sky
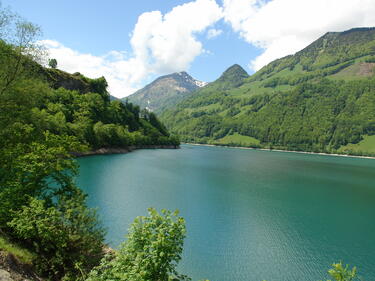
131, 43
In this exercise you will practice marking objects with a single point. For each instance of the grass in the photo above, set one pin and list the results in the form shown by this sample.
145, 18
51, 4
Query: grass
209, 107
367, 145
22, 254
237, 139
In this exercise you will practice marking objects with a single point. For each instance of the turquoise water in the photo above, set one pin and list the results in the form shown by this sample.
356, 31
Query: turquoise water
251, 215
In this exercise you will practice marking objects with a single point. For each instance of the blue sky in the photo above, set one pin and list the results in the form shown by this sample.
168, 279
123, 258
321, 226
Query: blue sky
133, 42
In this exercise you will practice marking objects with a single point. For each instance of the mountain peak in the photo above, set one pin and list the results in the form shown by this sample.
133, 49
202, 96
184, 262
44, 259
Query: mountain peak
182, 73
233, 76
236, 67
234, 71
187, 77
165, 91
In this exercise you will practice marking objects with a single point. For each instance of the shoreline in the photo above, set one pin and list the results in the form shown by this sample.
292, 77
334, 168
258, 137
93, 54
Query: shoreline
281, 150
116, 150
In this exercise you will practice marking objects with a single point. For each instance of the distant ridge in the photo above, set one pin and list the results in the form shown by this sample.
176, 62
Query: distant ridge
165, 91
357, 29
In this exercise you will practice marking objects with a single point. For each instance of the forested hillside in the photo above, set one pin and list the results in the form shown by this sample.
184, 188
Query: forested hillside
74, 105
321, 99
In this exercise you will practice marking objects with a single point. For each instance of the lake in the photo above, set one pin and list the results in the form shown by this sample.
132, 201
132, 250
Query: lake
250, 215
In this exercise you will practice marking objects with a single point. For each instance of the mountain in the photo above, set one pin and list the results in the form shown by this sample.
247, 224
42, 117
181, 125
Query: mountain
320, 99
165, 91
232, 77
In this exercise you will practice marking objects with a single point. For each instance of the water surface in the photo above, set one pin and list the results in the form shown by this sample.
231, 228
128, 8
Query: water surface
251, 215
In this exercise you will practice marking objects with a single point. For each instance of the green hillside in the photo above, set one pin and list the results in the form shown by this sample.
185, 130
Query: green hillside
320, 99
74, 105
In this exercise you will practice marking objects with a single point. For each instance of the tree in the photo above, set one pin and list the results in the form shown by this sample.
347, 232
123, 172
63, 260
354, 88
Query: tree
52, 63
152, 251
36, 169
18, 45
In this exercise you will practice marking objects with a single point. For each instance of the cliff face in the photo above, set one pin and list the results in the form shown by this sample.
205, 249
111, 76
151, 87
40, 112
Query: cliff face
57, 78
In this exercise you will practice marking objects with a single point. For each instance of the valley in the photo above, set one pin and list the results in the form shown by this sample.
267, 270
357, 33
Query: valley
318, 100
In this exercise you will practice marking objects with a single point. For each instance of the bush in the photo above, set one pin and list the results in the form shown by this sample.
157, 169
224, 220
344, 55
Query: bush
340, 273
64, 235
151, 252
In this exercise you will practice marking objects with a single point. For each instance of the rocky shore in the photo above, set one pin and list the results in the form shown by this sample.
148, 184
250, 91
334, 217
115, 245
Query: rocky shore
114, 150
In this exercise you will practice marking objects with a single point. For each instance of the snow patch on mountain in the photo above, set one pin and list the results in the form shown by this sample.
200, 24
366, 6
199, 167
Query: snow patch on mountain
200, 83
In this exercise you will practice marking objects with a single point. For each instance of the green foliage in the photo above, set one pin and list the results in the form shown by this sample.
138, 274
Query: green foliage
340, 273
52, 63
151, 252
237, 140
108, 135
64, 234
99, 86
34, 169
40, 204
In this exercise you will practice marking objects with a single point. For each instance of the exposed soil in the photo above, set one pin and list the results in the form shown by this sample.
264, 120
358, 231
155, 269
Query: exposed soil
366, 69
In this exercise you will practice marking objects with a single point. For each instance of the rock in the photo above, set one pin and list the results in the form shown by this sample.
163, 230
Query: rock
5, 276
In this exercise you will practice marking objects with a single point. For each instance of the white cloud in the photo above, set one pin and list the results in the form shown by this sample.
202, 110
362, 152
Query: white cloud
282, 27
160, 43
212, 33
167, 43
